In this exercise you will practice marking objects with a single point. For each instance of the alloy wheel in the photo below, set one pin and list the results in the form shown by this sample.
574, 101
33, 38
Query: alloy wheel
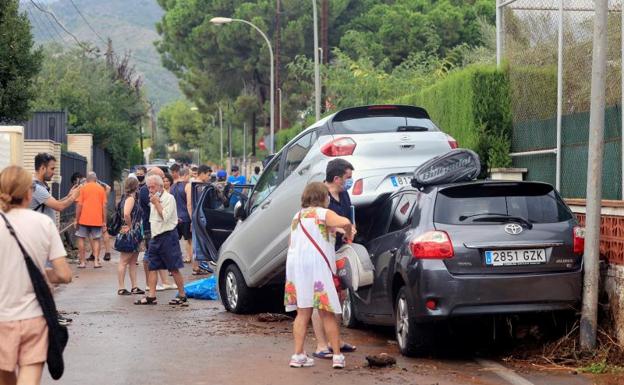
402, 322
231, 289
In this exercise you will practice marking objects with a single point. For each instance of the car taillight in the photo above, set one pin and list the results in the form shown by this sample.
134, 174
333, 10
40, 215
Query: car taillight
579, 239
339, 147
358, 187
432, 245
452, 142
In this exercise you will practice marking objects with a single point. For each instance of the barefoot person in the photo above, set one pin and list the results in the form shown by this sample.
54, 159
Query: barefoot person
164, 248
310, 262
23, 330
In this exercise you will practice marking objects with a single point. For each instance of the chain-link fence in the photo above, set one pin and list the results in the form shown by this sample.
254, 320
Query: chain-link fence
546, 45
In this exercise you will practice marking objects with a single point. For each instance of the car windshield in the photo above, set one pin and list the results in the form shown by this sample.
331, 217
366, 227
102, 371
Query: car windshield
490, 203
378, 124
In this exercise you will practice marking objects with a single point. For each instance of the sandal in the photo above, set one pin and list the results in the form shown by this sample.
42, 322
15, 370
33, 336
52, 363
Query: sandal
136, 290
83, 266
187, 260
201, 272
123, 292
182, 301
97, 266
324, 354
345, 348
146, 301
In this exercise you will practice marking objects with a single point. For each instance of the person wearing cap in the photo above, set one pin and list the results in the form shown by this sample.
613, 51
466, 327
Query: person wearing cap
236, 178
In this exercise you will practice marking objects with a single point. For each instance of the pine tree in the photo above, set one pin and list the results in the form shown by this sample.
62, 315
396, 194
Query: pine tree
19, 63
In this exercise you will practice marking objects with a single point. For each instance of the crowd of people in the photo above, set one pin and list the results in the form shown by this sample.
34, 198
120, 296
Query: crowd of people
155, 215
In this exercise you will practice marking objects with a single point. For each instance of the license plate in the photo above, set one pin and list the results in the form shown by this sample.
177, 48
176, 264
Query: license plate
515, 257
401, 181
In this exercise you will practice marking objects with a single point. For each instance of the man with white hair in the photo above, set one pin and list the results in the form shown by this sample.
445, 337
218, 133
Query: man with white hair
164, 248
90, 218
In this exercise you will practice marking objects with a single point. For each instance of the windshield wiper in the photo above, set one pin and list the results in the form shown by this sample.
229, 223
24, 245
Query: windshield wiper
504, 218
464, 217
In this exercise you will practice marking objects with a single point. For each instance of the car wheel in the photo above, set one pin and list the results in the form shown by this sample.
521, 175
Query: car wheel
413, 338
348, 311
236, 296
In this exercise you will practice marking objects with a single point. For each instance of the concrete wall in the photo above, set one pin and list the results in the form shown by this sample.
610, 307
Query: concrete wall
11, 145
611, 249
83, 145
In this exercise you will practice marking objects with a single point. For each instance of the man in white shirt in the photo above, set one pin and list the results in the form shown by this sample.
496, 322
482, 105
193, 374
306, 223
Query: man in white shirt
164, 248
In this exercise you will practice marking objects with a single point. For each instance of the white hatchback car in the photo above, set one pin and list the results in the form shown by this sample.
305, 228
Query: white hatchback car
385, 143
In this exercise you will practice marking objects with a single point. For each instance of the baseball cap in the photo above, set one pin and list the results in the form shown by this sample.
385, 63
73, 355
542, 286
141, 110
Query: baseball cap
221, 174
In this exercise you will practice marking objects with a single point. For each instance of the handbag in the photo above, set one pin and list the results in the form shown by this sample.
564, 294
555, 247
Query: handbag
129, 241
335, 277
57, 334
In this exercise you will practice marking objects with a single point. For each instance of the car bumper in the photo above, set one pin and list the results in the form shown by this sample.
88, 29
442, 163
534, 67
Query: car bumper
458, 295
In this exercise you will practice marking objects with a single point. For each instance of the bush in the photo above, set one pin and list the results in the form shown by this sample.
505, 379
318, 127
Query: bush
473, 106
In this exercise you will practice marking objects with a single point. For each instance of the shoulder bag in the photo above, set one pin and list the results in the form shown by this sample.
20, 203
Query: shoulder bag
57, 334
335, 277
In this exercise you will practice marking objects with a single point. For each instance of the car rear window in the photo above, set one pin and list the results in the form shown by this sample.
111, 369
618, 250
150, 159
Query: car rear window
537, 203
379, 124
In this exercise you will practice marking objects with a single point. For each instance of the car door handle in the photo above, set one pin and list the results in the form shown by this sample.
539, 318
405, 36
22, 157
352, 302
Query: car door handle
265, 205
304, 170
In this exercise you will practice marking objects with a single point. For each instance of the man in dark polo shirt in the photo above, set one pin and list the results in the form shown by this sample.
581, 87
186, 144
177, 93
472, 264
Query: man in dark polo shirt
338, 180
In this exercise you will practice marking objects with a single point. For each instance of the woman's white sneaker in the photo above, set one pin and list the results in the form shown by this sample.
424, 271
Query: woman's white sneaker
338, 361
301, 361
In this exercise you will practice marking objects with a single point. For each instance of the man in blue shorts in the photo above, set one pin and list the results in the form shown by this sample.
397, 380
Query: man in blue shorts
164, 248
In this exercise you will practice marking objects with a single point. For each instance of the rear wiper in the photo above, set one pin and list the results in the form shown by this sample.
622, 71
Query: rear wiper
464, 217
504, 218
411, 129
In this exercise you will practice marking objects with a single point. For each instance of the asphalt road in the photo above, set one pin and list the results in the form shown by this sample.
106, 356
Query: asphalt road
113, 341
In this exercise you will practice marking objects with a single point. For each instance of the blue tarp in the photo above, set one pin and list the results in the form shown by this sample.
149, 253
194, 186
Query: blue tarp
202, 289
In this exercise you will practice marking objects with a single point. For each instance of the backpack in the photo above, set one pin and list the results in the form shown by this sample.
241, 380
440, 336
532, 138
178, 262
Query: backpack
117, 221
41, 206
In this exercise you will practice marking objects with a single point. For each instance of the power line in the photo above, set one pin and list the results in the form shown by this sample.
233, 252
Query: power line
87, 22
78, 42
43, 29
50, 26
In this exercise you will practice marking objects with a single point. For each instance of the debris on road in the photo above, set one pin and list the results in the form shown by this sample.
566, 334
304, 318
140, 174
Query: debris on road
380, 360
273, 317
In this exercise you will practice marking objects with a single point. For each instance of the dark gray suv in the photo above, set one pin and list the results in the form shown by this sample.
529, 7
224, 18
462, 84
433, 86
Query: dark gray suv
486, 247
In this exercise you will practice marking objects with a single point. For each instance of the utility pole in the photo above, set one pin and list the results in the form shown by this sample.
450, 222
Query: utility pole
325, 30
277, 44
220, 135
317, 76
589, 317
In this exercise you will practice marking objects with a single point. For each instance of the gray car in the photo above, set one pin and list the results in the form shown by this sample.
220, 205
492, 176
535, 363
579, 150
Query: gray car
471, 248
384, 144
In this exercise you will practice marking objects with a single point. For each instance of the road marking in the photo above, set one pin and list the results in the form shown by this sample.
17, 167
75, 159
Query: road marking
503, 372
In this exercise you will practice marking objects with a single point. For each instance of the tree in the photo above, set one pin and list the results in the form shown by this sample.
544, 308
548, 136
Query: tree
102, 99
19, 63
182, 125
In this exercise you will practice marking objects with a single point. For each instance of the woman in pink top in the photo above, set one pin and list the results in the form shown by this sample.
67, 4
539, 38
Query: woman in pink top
24, 346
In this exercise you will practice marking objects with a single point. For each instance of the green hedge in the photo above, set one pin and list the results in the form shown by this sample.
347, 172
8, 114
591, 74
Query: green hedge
473, 106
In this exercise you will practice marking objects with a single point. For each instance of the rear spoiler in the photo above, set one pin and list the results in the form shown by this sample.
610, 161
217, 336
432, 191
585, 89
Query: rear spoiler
459, 165
381, 110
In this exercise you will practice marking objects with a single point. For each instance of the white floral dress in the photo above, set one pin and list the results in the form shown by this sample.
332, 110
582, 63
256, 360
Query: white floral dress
309, 282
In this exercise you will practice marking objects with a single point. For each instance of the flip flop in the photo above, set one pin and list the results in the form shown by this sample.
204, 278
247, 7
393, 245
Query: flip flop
345, 348
324, 354
82, 266
97, 266
123, 292
146, 301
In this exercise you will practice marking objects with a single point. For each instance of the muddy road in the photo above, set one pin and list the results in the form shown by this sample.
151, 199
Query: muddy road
113, 341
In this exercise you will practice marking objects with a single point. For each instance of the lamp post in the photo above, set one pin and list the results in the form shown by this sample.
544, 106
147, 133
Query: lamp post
317, 76
227, 20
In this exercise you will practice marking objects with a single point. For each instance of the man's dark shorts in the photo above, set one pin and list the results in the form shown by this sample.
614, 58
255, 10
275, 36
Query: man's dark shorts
184, 231
165, 253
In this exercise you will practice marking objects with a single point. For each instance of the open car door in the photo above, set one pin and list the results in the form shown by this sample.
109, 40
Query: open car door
213, 216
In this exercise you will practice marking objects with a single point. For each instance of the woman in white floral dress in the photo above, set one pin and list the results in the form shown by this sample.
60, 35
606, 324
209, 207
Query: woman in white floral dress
309, 282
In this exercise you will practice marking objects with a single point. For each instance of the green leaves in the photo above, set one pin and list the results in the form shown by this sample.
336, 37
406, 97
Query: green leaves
19, 63
97, 101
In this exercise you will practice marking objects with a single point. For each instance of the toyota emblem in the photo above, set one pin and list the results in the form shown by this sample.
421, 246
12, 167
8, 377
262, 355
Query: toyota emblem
513, 229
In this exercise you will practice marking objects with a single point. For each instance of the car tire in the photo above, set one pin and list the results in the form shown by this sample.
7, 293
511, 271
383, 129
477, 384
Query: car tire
349, 319
413, 338
236, 296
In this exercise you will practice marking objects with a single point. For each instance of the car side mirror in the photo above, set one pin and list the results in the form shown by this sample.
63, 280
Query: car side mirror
239, 211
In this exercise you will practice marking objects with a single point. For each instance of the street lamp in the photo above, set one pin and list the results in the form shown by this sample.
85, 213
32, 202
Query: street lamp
227, 20
317, 76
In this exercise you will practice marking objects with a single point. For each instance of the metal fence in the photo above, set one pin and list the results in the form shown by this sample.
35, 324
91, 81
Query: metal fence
70, 163
546, 46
